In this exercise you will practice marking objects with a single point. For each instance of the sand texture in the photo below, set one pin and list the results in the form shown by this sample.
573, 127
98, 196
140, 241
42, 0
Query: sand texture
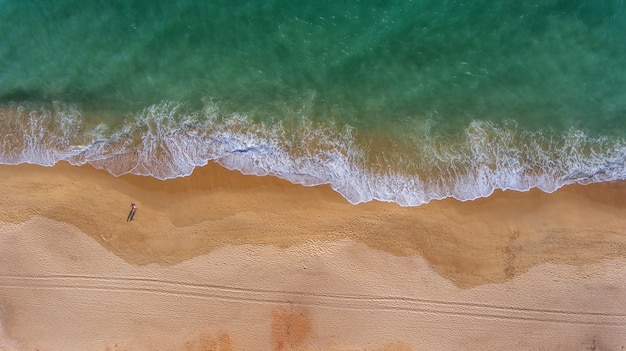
222, 261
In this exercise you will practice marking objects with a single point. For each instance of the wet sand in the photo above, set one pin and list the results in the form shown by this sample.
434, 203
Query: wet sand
223, 261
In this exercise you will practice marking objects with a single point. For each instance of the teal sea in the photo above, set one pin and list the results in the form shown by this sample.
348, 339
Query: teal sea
402, 101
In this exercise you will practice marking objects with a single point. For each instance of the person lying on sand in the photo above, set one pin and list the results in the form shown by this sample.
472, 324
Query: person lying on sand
131, 214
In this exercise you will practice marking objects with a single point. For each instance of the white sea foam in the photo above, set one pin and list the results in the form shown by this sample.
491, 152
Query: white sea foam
165, 142
40, 136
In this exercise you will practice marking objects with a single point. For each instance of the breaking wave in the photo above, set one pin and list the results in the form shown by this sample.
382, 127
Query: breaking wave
166, 141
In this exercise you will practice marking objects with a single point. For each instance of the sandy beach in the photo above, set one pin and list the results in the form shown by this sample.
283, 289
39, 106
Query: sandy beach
223, 261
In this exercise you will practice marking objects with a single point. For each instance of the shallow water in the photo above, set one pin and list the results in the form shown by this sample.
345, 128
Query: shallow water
403, 101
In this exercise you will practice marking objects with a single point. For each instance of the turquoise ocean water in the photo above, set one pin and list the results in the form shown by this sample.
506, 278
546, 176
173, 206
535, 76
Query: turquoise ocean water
403, 101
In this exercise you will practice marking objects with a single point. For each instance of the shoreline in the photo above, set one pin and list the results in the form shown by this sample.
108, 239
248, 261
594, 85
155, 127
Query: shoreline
470, 243
363, 165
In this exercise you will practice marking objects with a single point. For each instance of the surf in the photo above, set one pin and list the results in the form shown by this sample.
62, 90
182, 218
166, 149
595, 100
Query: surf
168, 140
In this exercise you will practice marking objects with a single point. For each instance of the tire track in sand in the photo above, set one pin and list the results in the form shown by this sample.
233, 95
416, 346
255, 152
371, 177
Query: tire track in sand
314, 299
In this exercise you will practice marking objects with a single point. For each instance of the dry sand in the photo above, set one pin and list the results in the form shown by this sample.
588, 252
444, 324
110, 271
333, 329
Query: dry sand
222, 261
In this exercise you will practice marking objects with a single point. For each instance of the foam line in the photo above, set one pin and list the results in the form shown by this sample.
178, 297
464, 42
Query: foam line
165, 142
